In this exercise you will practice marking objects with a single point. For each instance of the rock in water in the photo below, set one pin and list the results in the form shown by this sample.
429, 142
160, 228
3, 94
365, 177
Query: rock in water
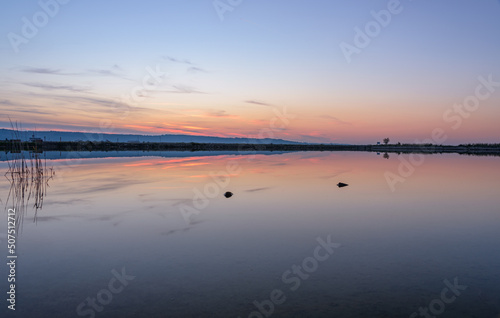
341, 185
228, 194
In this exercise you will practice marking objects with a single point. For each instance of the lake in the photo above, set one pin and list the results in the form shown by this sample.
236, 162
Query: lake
145, 234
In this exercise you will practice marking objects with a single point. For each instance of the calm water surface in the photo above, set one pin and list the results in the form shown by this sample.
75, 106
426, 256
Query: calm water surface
288, 234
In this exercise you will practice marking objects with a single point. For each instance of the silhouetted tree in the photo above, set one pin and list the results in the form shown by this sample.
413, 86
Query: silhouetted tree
386, 140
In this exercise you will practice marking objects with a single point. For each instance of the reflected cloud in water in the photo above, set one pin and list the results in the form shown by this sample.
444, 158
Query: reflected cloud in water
442, 222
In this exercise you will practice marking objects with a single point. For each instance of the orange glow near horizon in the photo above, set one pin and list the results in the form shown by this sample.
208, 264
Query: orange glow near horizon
352, 122
365, 171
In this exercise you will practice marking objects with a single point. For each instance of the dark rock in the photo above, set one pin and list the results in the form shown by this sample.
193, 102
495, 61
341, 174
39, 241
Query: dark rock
228, 194
341, 185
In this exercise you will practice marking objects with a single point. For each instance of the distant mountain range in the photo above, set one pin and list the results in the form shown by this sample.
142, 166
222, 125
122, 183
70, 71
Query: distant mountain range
80, 136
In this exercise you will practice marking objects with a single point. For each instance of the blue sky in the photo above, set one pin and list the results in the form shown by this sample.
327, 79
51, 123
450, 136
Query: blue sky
229, 77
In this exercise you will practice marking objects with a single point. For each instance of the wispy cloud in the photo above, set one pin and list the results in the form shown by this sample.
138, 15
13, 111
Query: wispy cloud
108, 105
166, 130
114, 71
175, 60
195, 69
7, 105
219, 114
105, 72
6, 102
96, 104
334, 119
33, 111
184, 89
43, 70
257, 103
50, 87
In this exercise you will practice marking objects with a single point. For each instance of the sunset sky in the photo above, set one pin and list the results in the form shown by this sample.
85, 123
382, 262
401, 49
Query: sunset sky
268, 68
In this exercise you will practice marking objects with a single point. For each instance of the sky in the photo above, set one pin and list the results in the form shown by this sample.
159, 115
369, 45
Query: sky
314, 71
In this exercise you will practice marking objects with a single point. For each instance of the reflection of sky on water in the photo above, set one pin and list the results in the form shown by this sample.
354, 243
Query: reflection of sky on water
397, 248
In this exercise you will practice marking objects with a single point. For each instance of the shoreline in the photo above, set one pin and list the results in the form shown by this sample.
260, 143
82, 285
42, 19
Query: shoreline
475, 149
